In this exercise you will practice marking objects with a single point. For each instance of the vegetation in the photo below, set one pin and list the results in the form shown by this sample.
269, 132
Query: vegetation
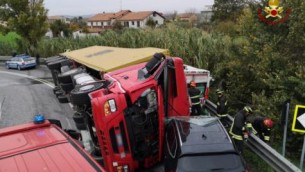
27, 18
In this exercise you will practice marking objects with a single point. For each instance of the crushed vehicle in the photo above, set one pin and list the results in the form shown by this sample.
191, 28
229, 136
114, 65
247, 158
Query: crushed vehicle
200, 143
43, 146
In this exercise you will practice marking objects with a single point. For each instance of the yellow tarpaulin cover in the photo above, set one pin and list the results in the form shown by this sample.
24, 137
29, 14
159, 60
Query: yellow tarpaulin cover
102, 58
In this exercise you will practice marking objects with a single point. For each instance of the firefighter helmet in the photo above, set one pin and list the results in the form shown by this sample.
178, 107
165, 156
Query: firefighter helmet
248, 109
193, 84
268, 122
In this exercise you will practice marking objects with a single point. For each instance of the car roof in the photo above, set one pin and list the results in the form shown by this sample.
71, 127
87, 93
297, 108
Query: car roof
42, 147
202, 134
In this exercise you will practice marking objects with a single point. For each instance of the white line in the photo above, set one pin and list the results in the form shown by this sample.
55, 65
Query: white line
34, 78
31, 77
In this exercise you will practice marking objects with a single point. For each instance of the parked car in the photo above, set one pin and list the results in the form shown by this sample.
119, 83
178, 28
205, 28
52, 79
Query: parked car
21, 62
200, 144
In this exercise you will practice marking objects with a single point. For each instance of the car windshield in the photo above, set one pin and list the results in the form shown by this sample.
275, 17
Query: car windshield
210, 162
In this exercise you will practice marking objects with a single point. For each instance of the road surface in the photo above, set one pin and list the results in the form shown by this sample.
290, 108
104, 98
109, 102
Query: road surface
26, 93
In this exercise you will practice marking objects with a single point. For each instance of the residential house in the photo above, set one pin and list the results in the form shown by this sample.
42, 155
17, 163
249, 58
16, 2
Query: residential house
139, 19
52, 19
206, 14
103, 21
188, 17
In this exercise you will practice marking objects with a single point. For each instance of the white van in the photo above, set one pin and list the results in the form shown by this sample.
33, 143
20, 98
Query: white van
202, 78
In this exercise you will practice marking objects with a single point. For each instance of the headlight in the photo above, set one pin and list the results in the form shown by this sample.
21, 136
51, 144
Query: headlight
109, 107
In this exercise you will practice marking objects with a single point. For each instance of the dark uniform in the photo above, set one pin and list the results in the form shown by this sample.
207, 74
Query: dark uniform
238, 128
258, 128
195, 95
222, 107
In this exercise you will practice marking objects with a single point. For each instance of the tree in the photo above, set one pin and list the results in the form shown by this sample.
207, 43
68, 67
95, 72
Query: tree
58, 26
28, 18
151, 23
227, 9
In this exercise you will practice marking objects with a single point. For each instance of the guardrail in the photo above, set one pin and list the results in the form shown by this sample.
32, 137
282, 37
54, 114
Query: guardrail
267, 153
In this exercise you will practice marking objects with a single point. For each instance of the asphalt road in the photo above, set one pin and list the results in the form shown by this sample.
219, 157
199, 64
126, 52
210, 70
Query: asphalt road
26, 93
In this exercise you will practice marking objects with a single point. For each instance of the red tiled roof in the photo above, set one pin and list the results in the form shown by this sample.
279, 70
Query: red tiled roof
186, 15
136, 15
108, 16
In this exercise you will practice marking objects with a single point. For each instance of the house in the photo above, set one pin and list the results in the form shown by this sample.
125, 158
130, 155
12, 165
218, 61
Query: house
139, 19
104, 21
206, 14
188, 17
52, 19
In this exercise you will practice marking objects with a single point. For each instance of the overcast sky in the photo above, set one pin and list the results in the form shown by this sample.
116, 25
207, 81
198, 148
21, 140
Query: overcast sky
89, 7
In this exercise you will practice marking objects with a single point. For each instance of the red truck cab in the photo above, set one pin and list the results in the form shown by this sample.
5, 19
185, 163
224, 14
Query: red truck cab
129, 114
42, 147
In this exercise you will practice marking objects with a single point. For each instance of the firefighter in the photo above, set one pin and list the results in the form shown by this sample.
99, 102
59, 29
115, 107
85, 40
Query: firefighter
222, 106
195, 95
261, 126
238, 128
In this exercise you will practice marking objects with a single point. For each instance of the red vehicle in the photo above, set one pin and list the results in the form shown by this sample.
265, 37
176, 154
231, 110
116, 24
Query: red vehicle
42, 147
126, 116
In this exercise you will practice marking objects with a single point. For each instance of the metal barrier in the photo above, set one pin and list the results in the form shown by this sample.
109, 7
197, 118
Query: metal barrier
259, 147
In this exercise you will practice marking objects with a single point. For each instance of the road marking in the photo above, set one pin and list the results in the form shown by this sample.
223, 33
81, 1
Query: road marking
34, 78
31, 77
1, 107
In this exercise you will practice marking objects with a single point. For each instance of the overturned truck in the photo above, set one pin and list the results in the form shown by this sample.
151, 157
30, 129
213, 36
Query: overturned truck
124, 110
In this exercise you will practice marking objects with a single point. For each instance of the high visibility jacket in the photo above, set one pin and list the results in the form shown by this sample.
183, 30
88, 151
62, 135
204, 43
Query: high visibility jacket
222, 107
258, 128
238, 126
195, 95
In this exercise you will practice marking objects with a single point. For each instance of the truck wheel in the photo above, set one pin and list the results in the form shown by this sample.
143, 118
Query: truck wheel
67, 88
63, 99
66, 78
56, 89
56, 65
81, 126
52, 59
79, 95
78, 118
58, 93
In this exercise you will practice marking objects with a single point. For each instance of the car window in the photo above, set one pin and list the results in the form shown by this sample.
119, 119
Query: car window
211, 162
28, 59
171, 140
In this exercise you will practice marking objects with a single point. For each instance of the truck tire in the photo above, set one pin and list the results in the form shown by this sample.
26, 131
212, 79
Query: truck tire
63, 99
79, 95
66, 78
56, 65
52, 59
67, 88
58, 93
81, 126
56, 89
78, 118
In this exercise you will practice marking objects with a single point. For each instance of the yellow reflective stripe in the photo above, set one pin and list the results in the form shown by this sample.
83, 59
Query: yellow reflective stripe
198, 96
237, 137
222, 115
226, 102
254, 131
218, 103
267, 138
249, 125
